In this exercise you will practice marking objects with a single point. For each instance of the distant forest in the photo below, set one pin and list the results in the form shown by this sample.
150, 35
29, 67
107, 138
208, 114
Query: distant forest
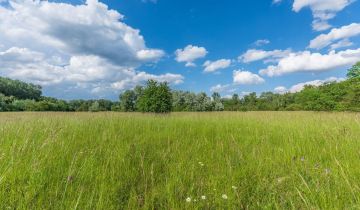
157, 97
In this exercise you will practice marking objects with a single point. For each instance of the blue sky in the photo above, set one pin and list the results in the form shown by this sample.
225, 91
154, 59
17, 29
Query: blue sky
91, 49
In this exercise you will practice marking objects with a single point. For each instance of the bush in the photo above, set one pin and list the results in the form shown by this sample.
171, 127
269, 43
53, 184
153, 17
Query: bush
155, 97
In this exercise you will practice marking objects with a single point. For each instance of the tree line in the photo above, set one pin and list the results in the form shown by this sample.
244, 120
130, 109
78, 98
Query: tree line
157, 97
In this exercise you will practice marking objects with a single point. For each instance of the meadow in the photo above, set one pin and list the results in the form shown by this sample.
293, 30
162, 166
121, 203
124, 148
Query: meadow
228, 160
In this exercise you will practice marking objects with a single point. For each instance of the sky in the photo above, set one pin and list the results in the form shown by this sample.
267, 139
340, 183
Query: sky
96, 49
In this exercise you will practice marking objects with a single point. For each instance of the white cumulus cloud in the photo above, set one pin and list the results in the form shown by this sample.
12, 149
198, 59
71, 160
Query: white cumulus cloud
150, 54
256, 55
307, 61
335, 34
189, 54
212, 66
322, 10
341, 44
240, 77
73, 46
85, 71
246, 78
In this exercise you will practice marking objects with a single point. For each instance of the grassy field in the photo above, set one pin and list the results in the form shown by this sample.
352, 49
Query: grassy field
253, 160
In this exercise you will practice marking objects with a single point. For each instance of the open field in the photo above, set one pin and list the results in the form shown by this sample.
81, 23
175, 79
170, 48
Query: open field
252, 160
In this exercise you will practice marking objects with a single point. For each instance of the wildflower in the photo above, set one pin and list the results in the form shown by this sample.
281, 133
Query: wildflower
203, 197
302, 159
234, 187
224, 196
201, 163
195, 200
327, 171
188, 199
281, 179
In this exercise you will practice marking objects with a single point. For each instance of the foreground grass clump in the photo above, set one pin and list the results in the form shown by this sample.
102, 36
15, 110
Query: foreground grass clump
252, 160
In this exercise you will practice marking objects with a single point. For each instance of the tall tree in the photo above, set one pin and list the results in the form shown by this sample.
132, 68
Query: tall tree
354, 72
217, 104
95, 107
128, 101
216, 96
155, 97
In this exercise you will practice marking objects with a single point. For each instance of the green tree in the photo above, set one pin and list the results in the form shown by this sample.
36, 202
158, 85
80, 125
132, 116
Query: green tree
178, 99
216, 96
250, 101
128, 101
217, 104
203, 103
155, 97
19, 89
354, 71
95, 107
235, 98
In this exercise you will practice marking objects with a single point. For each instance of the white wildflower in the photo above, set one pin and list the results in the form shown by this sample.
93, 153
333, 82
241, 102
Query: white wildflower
203, 197
188, 199
224, 196
327, 171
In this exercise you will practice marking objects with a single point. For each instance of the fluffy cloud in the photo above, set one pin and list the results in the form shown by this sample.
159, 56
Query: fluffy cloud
77, 46
239, 78
335, 34
341, 44
246, 78
83, 29
300, 86
149, 54
22, 63
311, 62
82, 71
189, 54
323, 10
212, 66
256, 55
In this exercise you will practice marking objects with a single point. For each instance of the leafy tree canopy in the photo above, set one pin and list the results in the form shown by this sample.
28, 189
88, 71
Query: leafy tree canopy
354, 71
155, 97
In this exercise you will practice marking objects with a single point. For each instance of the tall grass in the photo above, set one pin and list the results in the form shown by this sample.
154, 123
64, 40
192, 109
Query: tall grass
267, 160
